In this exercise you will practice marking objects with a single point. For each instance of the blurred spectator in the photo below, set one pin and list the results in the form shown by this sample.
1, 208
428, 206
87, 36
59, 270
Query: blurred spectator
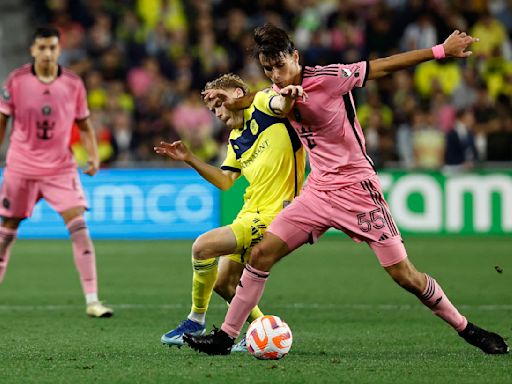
442, 111
141, 79
122, 135
492, 35
428, 142
192, 118
460, 150
169, 12
103, 137
486, 119
465, 94
444, 75
143, 62
420, 34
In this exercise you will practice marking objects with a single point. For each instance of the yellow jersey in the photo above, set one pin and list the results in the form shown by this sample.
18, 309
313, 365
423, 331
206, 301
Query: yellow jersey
269, 154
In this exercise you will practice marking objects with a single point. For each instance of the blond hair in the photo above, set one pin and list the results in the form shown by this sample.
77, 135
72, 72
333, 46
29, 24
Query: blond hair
227, 81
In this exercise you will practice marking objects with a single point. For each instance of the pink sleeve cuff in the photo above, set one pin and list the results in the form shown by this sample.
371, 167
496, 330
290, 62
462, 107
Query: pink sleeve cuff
438, 51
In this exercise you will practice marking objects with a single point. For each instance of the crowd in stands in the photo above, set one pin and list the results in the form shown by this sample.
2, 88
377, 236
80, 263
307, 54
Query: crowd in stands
144, 63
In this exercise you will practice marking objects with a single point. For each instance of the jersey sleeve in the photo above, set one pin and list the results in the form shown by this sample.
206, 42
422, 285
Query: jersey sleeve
82, 110
6, 103
349, 76
230, 163
263, 99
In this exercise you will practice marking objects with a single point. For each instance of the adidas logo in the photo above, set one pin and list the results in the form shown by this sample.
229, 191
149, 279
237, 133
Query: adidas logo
383, 237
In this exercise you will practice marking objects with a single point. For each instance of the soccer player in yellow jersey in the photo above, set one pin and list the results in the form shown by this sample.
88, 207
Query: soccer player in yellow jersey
264, 148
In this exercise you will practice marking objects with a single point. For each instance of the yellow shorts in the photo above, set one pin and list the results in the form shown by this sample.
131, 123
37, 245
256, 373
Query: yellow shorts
248, 228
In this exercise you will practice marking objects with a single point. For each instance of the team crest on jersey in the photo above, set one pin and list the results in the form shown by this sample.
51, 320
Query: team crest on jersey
345, 72
254, 127
5, 94
46, 110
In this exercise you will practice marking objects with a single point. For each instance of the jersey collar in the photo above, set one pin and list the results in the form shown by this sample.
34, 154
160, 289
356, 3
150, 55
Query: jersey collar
33, 69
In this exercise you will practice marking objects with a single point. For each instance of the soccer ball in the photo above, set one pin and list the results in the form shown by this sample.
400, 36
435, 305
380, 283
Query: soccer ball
269, 338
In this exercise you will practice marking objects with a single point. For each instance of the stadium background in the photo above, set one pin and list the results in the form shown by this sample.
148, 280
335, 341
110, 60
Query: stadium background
144, 63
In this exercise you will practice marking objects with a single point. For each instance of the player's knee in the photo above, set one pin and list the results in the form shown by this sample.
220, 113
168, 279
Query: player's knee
263, 258
200, 249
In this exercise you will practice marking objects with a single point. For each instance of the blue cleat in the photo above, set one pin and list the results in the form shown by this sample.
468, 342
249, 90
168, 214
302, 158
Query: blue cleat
241, 346
175, 336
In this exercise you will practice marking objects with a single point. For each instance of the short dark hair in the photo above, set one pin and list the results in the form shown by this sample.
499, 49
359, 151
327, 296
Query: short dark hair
46, 31
272, 42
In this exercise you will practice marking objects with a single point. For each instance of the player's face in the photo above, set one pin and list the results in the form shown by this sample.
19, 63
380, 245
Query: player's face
283, 71
231, 118
45, 51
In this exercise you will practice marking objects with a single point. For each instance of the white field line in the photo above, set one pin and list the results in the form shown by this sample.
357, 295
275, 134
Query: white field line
309, 306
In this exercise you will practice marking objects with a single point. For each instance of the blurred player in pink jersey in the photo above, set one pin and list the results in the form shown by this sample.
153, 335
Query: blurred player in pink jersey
44, 100
343, 190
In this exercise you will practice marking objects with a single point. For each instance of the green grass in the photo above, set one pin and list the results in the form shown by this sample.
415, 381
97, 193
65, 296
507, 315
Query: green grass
350, 323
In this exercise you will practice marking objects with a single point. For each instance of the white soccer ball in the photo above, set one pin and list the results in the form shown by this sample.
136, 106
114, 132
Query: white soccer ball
269, 338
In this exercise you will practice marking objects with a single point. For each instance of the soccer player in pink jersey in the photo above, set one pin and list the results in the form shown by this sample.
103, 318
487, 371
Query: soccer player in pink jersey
343, 190
44, 100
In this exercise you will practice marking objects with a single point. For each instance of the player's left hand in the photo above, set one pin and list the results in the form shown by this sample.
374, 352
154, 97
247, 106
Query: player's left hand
457, 43
92, 167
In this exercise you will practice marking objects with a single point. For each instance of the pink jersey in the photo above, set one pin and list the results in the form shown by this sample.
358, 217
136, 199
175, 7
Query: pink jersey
43, 116
328, 127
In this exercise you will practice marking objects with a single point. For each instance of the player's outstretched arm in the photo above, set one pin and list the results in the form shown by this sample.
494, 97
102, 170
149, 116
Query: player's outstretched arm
454, 46
283, 103
179, 151
216, 97
88, 139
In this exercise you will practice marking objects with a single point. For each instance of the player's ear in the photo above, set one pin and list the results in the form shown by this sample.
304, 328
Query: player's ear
295, 55
33, 50
239, 92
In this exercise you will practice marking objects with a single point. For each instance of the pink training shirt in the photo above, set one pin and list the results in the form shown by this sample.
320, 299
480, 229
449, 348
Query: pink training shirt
43, 116
328, 127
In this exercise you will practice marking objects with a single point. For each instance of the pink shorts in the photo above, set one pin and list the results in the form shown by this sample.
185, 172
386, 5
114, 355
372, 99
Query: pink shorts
19, 194
359, 210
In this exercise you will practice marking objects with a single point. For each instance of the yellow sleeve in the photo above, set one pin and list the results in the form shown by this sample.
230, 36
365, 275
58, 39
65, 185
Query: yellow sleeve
231, 163
262, 101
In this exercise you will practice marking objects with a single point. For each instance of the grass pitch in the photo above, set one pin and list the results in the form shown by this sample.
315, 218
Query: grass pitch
350, 323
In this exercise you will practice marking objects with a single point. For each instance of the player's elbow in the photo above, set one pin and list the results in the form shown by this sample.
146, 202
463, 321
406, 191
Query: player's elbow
225, 185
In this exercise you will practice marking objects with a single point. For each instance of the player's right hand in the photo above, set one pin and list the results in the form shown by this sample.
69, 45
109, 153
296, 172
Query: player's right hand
176, 151
294, 91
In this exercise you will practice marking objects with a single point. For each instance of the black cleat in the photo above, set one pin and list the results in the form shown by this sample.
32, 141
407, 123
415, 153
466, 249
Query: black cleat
217, 342
488, 342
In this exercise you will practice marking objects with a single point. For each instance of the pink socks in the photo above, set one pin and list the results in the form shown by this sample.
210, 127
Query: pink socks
248, 294
436, 300
7, 238
84, 255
